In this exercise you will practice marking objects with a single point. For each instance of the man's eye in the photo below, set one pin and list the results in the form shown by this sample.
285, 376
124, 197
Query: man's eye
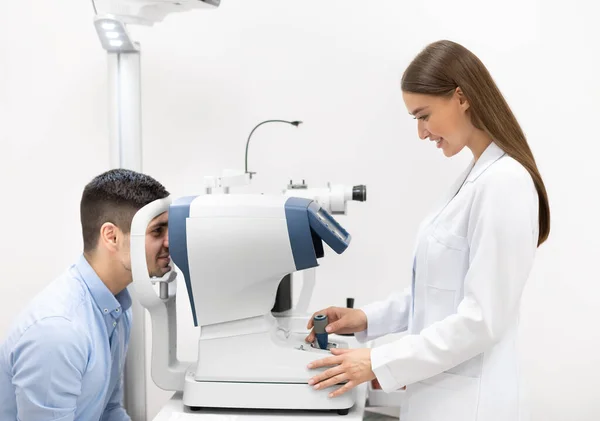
424, 117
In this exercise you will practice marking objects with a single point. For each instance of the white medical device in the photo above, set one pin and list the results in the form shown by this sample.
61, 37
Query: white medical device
148, 12
334, 199
233, 251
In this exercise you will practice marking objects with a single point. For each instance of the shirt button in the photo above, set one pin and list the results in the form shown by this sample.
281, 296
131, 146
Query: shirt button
114, 324
106, 310
117, 310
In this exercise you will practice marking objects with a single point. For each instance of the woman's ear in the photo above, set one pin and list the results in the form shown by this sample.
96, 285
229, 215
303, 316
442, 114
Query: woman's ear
462, 99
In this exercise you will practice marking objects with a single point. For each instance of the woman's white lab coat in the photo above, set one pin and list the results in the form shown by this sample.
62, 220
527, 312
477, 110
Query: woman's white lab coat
473, 256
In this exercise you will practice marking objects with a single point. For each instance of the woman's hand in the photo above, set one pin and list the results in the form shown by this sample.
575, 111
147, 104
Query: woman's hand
349, 365
341, 320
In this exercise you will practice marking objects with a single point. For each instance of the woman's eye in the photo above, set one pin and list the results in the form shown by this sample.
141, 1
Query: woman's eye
424, 117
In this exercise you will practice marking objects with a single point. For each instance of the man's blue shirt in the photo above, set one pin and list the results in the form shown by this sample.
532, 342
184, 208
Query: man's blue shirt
63, 358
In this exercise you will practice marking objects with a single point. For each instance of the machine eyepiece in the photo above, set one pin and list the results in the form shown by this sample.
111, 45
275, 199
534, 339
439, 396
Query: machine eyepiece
359, 193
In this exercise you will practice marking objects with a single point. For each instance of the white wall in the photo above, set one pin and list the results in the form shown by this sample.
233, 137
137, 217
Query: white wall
209, 77
53, 140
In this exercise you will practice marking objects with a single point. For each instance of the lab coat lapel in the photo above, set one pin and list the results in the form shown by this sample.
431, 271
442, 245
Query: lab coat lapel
491, 154
451, 192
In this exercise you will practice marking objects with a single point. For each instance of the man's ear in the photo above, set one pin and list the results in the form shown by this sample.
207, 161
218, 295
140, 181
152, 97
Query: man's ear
462, 99
109, 234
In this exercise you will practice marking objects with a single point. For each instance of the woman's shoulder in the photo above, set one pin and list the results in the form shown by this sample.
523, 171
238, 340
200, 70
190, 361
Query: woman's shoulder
506, 171
505, 181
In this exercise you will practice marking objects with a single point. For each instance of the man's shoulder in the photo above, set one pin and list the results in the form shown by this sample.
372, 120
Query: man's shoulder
50, 345
63, 299
55, 331
55, 320
44, 340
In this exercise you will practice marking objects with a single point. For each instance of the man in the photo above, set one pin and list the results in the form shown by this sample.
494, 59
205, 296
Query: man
63, 359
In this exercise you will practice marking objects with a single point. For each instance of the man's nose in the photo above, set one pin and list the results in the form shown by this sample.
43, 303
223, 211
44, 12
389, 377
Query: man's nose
166, 242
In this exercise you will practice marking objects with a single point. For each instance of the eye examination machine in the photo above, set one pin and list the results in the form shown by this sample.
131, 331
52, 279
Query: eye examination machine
233, 251
237, 255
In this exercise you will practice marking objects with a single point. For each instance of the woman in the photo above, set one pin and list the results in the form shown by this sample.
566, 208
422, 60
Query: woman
474, 254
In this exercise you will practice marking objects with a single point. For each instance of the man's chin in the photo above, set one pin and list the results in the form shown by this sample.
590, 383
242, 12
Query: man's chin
159, 273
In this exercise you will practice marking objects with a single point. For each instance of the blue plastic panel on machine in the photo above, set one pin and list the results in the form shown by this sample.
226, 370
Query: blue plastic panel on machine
307, 224
328, 228
301, 240
179, 211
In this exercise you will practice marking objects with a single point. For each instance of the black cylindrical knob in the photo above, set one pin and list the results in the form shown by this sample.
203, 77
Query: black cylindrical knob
359, 193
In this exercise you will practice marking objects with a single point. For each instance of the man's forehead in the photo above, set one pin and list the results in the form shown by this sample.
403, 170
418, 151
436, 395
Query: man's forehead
161, 219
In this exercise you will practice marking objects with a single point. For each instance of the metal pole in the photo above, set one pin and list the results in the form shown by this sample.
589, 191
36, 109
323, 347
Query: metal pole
125, 130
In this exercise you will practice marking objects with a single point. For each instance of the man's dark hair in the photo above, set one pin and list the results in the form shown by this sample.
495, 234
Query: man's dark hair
115, 196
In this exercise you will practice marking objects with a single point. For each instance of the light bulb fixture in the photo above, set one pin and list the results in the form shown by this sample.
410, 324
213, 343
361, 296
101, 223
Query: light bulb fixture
114, 36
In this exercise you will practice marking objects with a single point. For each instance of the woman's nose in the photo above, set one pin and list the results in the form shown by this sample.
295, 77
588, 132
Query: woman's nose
423, 132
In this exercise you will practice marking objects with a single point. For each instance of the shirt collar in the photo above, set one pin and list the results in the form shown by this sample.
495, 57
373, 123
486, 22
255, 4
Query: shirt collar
104, 299
491, 154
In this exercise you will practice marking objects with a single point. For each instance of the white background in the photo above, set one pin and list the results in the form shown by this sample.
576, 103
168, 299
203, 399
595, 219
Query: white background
210, 76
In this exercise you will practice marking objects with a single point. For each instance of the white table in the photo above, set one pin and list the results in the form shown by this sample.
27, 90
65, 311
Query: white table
174, 411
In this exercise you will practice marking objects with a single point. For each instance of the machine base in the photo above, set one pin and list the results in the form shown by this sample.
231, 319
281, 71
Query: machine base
338, 411
282, 396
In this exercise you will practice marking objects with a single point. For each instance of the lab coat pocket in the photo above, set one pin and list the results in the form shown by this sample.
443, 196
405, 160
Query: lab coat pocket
446, 397
447, 263
447, 259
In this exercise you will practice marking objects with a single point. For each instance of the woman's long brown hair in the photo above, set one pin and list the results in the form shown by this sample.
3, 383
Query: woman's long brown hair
445, 65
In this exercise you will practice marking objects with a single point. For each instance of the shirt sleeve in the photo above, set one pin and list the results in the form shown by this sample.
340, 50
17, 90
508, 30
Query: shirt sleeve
503, 238
48, 363
387, 316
